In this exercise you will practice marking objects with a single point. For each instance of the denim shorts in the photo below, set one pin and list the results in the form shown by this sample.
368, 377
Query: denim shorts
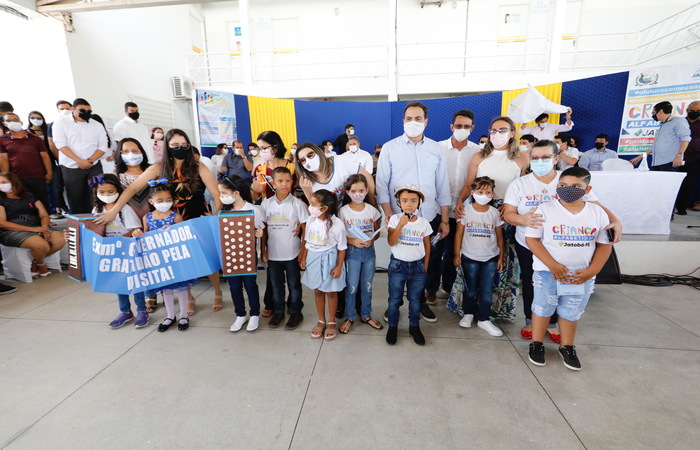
546, 300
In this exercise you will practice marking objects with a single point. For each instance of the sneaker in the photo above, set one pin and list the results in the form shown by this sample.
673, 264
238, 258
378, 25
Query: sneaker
536, 354
466, 321
430, 298
427, 314
391, 335
442, 294
253, 324
295, 319
7, 289
121, 320
238, 324
568, 353
418, 337
276, 320
141, 319
490, 328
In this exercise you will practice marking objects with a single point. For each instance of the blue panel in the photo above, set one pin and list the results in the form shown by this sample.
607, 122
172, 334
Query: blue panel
242, 118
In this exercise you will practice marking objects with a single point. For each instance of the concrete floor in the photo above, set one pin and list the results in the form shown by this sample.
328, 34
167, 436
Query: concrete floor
68, 381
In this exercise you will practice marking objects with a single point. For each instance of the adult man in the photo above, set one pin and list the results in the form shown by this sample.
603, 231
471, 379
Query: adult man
692, 159
129, 126
81, 143
593, 158
568, 156
342, 140
5, 107
25, 155
671, 140
544, 130
238, 163
458, 152
413, 158
356, 154
56, 187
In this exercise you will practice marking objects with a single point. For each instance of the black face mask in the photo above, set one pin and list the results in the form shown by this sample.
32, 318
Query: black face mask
693, 115
599, 145
653, 116
134, 116
179, 153
85, 115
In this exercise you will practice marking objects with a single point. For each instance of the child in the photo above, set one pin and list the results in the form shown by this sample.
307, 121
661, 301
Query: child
284, 216
481, 249
322, 257
106, 191
569, 250
409, 238
235, 196
360, 258
161, 198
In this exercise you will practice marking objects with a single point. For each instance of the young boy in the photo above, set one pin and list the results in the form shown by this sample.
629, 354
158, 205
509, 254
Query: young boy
285, 215
569, 250
409, 238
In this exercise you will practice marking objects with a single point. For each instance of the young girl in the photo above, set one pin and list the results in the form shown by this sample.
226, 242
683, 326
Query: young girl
161, 198
106, 191
322, 257
360, 258
235, 196
157, 136
479, 249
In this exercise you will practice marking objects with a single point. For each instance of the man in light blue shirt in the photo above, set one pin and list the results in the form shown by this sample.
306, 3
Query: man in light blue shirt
671, 140
593, 158
413, 158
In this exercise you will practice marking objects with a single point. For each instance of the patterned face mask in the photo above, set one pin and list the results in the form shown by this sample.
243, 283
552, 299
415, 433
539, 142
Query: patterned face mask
570, 194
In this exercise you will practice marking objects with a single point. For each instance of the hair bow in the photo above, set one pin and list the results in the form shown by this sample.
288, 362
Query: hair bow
96, 181
154, 183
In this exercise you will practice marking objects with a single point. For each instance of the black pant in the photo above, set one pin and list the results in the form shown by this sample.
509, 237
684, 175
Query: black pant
37, 186
691, 169
77, 189
526, 272
668, 167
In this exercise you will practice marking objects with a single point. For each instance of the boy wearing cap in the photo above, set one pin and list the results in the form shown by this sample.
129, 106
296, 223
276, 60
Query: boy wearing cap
409, 238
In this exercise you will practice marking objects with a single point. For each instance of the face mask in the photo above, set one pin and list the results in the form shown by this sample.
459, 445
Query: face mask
329, 149
461, 135
523, 148
64, 112
481, 199
6, 187
107, 199
315, 212
351, 132
358, 197
413, 129
693, 115
353, 148
86, 115
541, 125
540, 167
37, 122
570, 194
14, 126
482, 144
180, 153
655, 117
227, 200
132, 159
312, 164
237, 151
268, 156
254, 152
158, 136
499, 140
134, 116
599, 145
163, 207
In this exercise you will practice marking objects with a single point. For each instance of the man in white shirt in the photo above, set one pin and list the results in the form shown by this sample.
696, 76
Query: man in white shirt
129, 127
81, 143
356, 154
568, 156
544, 130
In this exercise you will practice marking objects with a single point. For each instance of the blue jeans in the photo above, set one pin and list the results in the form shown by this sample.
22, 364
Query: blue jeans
235, 285
276, 271
359, 267
479, 276
139, 299
547, 300
410, 274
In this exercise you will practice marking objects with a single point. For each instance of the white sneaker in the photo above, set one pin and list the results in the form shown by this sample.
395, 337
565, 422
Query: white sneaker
442, 294
489, 327
466, 321
253, 324
238, 324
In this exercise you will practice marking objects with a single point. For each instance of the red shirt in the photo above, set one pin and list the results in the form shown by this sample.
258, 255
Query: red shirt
24, 155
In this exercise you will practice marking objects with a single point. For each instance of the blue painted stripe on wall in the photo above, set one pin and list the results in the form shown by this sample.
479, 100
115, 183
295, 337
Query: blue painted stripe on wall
242, 118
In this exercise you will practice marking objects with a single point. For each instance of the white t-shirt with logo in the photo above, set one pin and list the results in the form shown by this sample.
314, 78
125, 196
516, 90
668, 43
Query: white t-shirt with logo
342, 169
281, 219
526, 194
364, 220
410, 245
570, 238
320, 238
125, 221
571, 152
479, 241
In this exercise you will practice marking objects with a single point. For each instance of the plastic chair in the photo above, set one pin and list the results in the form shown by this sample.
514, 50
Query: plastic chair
617, 165
17, 263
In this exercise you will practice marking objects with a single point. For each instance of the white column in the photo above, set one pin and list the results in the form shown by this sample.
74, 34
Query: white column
556, 37
391, 69
246, 46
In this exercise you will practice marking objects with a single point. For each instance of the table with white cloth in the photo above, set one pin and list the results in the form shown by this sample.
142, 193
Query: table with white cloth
643, 201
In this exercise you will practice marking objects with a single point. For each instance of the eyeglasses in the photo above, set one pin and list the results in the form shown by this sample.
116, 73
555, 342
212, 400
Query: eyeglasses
499, 131
303, 159
266, 149
543, 158
180, 147
459, 127
36, 118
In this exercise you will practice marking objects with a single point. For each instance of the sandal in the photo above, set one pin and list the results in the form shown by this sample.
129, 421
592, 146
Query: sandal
268, 313
48, 273
151, 304
345, 327
34, 271
317, 331
218, 302
526, 334
190, 308
372, 323
330, 333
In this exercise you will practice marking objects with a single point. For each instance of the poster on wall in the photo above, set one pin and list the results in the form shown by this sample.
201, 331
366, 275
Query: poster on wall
217, 117
679, 85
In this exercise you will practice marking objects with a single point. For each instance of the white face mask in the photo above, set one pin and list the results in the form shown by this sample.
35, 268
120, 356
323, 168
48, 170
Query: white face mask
14, 126
500, 140
163, 207
237, 151
132, 159
37, 122
312, 164
482, 144
227, 200
353, 148
482, 199
413, 129
254, 152
65, 112
5, 187
541, 125
351, 131
107, 199
462, 134
523, 148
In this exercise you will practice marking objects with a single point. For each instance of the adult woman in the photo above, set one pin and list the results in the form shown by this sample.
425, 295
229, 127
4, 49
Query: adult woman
157, 136
189, 180
272, 151
218, 157
24, 223
39, 128
327, 147
522, 199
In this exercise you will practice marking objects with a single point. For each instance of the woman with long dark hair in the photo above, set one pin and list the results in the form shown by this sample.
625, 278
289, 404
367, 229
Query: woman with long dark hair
272, 151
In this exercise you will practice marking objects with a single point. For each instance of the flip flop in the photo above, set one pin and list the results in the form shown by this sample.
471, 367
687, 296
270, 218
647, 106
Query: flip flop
345, 327
372, 323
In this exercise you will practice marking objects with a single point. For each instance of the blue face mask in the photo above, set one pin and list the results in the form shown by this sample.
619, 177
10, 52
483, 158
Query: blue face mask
541, 167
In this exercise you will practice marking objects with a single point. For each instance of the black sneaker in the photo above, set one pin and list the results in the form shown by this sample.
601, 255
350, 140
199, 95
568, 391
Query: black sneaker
568, 353
427, 314
7, 289
276, 320
295, 319
536, 354
391, 335
682, 212
418, 337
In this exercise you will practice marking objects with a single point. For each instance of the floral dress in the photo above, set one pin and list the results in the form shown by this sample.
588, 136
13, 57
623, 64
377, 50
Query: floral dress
190, 203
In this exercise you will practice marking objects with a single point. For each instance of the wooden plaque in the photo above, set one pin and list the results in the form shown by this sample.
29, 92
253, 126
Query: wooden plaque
237, 234
75, 223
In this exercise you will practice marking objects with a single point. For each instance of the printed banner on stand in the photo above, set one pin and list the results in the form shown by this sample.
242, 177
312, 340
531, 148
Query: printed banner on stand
217, 117
679, 85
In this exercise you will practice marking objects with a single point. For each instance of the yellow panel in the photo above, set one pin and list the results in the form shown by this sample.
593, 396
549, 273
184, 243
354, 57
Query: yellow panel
551, 91
273, 114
